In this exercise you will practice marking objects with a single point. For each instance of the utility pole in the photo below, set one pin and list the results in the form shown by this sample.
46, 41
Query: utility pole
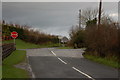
80, 19
99, 16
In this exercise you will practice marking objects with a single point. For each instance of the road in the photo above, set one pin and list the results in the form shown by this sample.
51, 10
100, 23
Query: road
67, 63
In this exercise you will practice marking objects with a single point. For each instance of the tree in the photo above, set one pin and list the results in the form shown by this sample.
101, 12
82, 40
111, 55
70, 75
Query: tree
91, 22
90, 14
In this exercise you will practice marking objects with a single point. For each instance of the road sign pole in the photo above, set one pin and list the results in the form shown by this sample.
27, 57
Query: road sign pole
14, 35
59, 42
59, 37
14, 43
14, 40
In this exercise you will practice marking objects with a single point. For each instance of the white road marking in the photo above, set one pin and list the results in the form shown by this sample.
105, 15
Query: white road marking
33, 75
59, 58
53, 53
83, 73
62, 61
74, 67
29, 67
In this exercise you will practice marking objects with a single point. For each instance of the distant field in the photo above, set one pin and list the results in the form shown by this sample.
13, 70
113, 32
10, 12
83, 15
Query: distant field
65, 48
25, 45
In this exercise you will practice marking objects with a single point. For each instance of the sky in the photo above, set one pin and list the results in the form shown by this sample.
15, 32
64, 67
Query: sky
54, 18
58, 0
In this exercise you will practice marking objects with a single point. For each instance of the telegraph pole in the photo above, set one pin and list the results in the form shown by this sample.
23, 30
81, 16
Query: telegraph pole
99, 16
80, 19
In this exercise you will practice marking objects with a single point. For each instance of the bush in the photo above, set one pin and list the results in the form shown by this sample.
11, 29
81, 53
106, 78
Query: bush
103, 40
77, 37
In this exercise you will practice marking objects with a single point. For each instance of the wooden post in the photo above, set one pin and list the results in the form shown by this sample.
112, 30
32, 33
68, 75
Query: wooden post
99, 16
14, 40
80, 19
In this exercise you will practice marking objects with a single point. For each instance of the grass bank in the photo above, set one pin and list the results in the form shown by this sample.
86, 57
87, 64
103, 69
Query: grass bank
18, 56
20, 44
105, 61
8, 68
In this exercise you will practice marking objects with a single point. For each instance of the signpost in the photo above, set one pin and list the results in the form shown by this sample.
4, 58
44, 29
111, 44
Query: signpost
59, 37
14, 35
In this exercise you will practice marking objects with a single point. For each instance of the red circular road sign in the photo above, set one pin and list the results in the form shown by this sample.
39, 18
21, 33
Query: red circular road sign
14, 34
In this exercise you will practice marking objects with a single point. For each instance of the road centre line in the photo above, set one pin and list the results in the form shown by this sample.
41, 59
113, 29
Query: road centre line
83, 73
62, 61
53, 53
59, 58
74, 67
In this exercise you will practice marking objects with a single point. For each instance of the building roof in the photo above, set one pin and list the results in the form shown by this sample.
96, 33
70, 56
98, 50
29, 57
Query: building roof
64, 39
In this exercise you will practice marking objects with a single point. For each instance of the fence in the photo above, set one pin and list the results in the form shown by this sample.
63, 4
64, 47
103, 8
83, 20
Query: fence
7, 49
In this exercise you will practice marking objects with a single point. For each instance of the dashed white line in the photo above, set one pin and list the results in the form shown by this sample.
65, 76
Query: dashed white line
59, 58
74, 67
83, 73
62, 61
53, 53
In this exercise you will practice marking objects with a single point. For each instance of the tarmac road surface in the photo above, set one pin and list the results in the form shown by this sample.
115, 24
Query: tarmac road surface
67, 63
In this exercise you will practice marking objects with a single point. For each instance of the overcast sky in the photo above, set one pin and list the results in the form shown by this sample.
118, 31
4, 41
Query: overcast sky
51, 17
59, 0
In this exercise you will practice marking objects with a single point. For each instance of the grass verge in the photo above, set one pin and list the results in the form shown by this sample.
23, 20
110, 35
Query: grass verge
8, 69
65, 48
104, 61
18, 56
20, 44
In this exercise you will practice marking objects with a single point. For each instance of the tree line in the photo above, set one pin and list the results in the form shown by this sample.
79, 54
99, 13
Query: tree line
27, 34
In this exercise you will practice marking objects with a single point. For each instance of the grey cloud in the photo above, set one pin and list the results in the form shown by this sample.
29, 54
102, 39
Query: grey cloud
50, 17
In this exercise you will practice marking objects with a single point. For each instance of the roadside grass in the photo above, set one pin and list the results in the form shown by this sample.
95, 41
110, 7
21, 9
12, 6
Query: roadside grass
13, 72
15, 58
18, 56
49, 45
65, 48
104, 61
8, 68
20, 44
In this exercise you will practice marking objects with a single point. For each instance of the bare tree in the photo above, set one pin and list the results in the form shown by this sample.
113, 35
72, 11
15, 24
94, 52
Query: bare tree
90, 14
